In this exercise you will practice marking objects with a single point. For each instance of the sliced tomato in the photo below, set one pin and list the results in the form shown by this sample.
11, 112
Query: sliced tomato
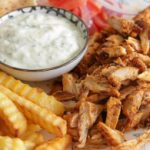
93, 29
68, 4
100, 23
94, 7
77, 11
72, 4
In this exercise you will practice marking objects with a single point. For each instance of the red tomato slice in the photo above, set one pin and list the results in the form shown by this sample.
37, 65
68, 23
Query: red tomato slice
100, 23
93, 29
94, 7
72, 4
68, 4
77, 11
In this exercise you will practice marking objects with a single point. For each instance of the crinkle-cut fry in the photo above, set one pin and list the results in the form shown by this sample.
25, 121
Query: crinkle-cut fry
112, 137
32, 128
13, 118
56, 144
145, 76
113, 112
134, 144
32, 94
38, 115
7, 143
33, 140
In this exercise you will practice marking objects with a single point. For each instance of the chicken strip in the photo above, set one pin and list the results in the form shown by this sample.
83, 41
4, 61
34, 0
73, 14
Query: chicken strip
69, 84
134, 43
113, 112
126, 91
88, 113
143, 16
132, 103
145, 42
112, 137
134, 144
122, 74
113, 51
124, 26
145, 76
99, 85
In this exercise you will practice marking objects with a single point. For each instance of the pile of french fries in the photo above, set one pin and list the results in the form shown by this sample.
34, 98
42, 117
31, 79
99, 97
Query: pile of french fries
24, 112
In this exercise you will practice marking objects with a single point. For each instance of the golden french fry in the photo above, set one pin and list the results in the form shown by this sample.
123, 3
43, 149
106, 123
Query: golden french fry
32, 94
32, 140
13, 118
56, 144
31, 129
7, 143
36, 114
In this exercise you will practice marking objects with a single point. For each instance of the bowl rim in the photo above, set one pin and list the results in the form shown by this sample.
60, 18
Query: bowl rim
50, 68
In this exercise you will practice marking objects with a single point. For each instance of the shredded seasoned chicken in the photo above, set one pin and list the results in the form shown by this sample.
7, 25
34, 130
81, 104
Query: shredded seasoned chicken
143, 16
145, 42
134, 43
122, 74
99, 85
88, 114
113, 112
123, 26
113, 137
110, 88
134, 144
70, 85
137, 62
145, 76
72, 119
132, 103
114, 51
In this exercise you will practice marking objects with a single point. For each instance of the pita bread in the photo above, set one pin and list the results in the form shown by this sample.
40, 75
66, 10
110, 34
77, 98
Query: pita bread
10, 5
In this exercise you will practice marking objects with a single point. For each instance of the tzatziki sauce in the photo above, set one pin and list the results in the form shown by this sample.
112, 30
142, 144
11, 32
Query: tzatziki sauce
38, 41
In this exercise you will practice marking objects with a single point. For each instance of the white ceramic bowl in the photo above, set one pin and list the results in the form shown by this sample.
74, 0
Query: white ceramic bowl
47, 73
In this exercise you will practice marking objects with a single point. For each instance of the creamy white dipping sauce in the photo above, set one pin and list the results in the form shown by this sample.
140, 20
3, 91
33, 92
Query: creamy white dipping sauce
38, 40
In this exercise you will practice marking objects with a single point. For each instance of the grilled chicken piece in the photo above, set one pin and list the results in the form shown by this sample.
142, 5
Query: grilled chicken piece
95, 98
112, 137
122, 74
113, 40
124, 26
126, 91
144, 58
83, 97
88, 113
113, 112
134, 144
145, 76
145, 42
143, 16
99, 85
70, 85
132, 103
72, 119
63, 96
134, 43
131, 123
137, 62
113, 51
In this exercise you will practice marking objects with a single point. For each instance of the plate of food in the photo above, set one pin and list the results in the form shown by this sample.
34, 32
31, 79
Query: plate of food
63, 90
